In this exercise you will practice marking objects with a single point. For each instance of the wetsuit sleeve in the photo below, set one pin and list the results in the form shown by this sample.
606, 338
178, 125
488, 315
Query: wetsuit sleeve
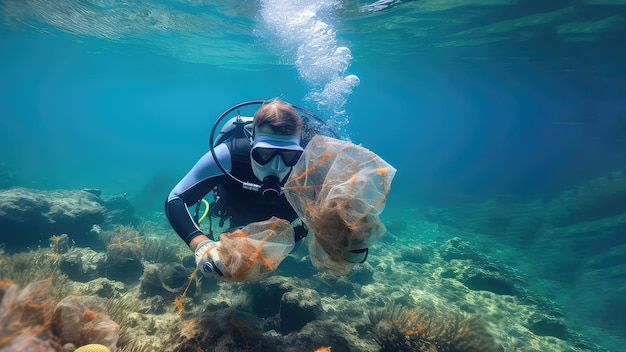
198, 182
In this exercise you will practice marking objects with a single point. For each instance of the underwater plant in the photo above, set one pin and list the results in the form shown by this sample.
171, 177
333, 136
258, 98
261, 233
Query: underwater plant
60, 243
121, 235
159, 250
398, 328
137, 346
136, 244
224, 330
123, 253
41, 264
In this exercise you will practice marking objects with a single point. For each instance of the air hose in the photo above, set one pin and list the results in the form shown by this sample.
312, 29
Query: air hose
206, 210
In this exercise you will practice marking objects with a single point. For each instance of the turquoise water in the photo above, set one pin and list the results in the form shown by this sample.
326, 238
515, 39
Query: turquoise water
505, 119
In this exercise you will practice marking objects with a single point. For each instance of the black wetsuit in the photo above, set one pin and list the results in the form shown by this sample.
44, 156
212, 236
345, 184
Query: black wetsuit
241, 206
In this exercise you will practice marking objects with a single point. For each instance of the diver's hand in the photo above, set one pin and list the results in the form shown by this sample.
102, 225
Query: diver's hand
208, 259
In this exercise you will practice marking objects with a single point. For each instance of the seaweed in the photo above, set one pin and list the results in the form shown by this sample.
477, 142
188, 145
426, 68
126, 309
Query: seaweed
398, 328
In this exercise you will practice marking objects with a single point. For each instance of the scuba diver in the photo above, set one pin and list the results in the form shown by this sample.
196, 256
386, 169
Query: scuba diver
248, 163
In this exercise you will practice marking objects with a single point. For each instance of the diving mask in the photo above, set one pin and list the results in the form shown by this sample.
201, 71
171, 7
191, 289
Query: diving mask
272, 157
264, 155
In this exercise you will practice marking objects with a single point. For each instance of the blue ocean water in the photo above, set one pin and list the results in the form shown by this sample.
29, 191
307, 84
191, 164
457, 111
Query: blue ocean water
496, 105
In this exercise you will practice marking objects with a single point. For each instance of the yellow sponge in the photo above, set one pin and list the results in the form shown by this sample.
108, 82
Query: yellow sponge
94, 347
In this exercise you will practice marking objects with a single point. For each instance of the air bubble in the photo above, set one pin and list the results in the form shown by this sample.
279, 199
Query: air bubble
305, 32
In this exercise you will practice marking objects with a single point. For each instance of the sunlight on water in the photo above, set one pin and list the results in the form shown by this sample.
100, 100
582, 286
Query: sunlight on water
302, 33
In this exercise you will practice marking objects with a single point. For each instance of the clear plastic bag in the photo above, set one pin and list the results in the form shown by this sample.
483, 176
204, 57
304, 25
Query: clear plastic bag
255, 251
339, 189
77, 319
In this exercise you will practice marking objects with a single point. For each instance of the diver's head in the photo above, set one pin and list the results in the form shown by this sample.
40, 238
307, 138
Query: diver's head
276, 144
278, 117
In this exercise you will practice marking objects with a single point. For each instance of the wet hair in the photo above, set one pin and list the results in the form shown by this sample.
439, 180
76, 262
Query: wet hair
279, 116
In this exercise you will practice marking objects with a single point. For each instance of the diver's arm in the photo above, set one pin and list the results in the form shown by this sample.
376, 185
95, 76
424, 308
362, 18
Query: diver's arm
199, 181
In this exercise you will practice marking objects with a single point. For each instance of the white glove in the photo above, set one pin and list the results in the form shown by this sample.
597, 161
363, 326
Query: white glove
208, 259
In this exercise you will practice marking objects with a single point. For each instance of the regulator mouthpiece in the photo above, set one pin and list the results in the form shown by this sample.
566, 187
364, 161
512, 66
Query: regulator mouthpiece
271, 187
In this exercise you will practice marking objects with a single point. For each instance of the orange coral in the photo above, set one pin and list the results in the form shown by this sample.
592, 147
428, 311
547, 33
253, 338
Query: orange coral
178, 301
127, 237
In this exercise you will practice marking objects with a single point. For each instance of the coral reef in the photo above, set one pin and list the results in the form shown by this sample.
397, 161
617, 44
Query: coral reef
477, 272
119, 211
40, 214
123, 262
298, 308
82, 264
225, 330
166, 280
422, 288
36, 215
157, 250
123, 253
574, 238
60, 244
24, 268
398, 328
265, 303
75, 309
